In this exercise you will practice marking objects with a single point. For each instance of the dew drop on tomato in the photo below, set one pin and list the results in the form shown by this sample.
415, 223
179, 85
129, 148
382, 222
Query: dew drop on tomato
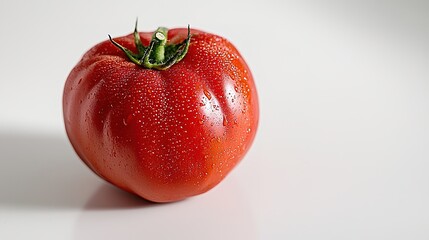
225, 121
208, 94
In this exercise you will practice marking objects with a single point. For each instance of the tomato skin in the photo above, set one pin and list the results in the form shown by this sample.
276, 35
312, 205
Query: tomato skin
163, 135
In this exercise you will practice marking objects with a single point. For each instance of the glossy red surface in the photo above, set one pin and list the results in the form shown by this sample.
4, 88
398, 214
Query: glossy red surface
164, 135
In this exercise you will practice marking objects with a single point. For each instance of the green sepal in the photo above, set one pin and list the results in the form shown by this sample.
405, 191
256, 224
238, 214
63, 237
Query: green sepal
159, 54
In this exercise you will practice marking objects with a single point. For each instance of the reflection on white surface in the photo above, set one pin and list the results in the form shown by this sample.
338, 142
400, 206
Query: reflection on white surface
113, 214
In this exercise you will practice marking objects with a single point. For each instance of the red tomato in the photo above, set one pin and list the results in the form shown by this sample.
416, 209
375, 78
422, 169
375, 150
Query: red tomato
164, 115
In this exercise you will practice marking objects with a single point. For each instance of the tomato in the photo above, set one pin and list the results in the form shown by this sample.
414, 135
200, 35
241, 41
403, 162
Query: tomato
165, 115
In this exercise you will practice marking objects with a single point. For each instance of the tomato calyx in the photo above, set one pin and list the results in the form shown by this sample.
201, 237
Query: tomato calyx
159, 55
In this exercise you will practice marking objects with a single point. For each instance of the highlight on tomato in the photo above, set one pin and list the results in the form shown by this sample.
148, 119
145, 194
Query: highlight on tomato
165, 114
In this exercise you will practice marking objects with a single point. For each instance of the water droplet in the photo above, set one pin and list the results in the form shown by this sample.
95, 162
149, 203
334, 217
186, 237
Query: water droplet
248, 130
127, 120
207, 93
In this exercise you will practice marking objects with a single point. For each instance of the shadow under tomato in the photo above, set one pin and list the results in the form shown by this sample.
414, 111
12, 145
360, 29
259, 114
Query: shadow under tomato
222, 213
109, 197
42, 171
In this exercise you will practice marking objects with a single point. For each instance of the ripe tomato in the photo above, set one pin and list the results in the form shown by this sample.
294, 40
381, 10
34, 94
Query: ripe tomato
165, 115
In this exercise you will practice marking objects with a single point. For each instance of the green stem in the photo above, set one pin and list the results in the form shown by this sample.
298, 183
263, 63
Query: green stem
158, 55
159, 38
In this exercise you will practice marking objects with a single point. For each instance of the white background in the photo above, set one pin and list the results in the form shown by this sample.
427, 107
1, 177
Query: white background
342, 150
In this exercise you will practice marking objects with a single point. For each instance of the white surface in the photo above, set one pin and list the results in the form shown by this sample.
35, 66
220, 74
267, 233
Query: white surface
343, 144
